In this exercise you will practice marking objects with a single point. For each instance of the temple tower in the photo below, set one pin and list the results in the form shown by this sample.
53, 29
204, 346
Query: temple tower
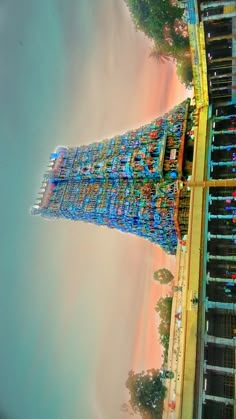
127, 182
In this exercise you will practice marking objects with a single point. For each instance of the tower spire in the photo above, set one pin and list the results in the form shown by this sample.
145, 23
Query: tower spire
127, 182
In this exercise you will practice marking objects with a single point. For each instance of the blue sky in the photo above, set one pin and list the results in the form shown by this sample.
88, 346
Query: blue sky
72, 71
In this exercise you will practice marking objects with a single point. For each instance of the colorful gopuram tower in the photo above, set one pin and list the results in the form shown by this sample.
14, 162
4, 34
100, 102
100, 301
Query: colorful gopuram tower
128, 182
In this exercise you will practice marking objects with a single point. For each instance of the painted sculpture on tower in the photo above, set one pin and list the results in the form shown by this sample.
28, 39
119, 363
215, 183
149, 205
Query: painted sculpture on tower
127, 182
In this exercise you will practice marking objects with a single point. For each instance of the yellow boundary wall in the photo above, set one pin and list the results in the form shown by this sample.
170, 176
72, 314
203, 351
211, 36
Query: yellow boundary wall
183, 339
199, 65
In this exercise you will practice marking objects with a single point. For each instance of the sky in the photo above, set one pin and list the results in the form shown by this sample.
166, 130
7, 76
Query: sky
76, 300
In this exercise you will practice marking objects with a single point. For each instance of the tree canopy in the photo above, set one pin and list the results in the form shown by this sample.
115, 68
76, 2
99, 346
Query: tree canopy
163, 22
147, 393
185, 71
163, 308
164, 276
160, 20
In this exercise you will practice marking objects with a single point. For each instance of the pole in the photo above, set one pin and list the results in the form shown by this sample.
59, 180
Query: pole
211, 183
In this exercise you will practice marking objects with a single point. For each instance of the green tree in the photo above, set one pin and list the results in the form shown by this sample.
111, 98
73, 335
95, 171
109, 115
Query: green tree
163, 307
163, 21
147, 393
185, 72
164, 328
164, 340
164, 276
159, 53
